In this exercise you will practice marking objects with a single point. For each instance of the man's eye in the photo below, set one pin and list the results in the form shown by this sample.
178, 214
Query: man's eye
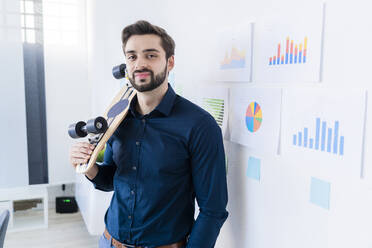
131, 57
151, 56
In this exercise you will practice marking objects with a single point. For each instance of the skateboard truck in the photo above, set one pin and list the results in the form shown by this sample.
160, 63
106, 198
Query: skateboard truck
94, 127
82, 129
94, 139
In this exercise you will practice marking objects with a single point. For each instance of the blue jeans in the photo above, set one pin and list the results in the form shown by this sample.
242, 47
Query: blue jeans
104, 242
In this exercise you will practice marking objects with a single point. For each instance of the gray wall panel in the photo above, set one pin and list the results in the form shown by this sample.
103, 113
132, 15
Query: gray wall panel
35, 110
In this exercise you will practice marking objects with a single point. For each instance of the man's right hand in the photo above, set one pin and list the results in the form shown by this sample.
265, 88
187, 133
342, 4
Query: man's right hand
79, 154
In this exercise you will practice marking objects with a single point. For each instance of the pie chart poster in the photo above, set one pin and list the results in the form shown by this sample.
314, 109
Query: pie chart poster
255, 118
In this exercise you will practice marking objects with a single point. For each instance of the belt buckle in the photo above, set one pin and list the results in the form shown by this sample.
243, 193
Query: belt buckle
129, 246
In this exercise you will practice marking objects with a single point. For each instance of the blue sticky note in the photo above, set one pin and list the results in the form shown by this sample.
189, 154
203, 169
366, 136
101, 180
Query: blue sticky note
254, 168
320, 192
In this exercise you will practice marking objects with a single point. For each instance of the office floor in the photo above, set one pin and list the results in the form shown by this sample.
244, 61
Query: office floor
64, 231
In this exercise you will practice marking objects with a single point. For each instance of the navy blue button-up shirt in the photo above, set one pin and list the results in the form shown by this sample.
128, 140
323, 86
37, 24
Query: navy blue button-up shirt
157, 164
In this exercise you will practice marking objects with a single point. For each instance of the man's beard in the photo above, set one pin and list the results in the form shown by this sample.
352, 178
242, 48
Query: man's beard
154, 83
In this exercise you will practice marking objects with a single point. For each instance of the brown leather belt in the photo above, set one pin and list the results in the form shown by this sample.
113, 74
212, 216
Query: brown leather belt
118, 244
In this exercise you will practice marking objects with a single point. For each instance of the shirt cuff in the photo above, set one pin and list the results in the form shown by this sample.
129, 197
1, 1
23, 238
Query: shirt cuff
104, 178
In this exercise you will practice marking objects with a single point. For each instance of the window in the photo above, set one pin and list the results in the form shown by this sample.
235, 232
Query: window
31, 21
9, 21
63, 23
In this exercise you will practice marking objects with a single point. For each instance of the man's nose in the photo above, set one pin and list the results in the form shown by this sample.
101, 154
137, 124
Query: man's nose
140, 64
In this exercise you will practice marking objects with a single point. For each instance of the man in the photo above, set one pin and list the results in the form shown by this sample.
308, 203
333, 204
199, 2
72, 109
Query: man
166, 153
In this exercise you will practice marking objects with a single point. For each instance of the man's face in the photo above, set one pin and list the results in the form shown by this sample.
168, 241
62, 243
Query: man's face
147, 65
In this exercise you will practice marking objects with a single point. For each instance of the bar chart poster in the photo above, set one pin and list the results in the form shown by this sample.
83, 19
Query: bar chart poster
293, 53
325, 126
289, 46
255, 118
327, 139
234, 53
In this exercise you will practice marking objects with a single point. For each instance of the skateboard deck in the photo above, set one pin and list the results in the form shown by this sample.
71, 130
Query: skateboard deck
114, 115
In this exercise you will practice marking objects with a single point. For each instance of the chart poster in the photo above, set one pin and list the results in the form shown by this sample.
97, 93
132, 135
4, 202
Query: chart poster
325, 127
234, 53
255, 118
215, 100
289, 45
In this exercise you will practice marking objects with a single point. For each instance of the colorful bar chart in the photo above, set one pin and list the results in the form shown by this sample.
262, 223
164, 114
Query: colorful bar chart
326, 139
294, 53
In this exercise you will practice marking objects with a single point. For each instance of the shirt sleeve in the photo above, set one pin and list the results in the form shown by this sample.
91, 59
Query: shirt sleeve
209, 179
105, 176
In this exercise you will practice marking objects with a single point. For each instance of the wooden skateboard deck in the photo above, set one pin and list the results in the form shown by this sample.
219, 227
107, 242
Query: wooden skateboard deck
114, 115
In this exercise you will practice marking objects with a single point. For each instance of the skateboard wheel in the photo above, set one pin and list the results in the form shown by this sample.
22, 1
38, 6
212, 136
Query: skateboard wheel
97, 125
77, 130
119, 71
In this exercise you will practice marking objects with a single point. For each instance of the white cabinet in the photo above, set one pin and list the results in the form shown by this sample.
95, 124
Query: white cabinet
92, 204
25, 221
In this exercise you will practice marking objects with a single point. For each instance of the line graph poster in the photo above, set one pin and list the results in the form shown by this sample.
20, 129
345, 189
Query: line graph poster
255, 118
289, 45
234, 53
325, 126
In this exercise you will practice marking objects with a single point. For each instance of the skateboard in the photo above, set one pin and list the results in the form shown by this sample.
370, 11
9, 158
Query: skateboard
101, 128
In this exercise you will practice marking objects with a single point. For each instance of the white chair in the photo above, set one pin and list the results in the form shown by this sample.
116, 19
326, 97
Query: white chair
4, 219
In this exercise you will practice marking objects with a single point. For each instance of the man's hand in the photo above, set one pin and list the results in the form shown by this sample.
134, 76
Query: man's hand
79, 154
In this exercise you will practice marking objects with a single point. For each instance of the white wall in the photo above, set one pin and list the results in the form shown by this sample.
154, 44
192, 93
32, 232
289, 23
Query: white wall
67, 88
276, 211
13, 148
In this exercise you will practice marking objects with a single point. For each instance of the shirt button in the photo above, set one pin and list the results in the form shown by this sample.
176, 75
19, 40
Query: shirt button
132, 192
129, 216
137, 143
134, 168
143, 121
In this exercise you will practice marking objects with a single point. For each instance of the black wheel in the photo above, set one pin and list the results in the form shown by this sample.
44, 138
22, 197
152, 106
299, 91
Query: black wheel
119, 71
77, 130
97, 125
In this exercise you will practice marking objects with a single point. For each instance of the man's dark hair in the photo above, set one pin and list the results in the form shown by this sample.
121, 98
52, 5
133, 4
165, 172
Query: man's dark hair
144, 27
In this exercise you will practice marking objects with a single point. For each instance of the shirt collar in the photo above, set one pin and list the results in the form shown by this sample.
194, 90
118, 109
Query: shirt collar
165, 106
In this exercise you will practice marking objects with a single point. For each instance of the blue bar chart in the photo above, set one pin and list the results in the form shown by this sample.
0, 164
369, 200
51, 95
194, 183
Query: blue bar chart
327, 139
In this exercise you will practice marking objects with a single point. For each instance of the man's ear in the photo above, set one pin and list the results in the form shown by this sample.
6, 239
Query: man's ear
170, 63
